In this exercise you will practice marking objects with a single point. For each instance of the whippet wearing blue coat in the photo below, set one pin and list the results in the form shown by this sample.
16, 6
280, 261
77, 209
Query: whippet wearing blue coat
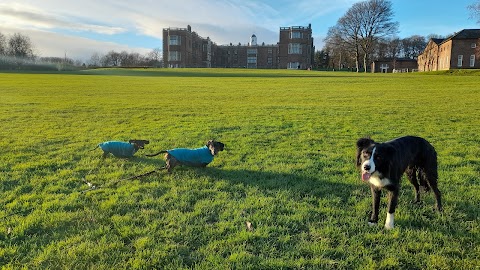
122, 149
199, 157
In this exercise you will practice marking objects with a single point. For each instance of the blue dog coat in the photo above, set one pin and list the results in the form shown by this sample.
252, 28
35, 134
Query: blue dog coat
118, 149
193, 157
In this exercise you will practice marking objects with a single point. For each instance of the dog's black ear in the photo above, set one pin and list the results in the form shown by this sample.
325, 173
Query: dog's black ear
364, 142
361, 144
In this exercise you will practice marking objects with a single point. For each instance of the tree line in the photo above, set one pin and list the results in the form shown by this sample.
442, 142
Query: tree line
126, 59
367, 32
18, 52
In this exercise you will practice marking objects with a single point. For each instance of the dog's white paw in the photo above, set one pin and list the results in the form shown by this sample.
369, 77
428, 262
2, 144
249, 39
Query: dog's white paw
371, 224
389, 221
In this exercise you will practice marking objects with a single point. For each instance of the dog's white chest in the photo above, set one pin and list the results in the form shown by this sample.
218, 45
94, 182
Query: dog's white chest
377, 181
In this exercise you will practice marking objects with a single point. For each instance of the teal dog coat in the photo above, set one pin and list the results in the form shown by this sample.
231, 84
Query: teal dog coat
192, 157
118, 149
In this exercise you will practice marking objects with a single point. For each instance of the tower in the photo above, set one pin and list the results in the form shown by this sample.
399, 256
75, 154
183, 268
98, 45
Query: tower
253, 40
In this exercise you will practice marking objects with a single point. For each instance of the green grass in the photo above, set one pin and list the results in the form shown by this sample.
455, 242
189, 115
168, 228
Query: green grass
287, 168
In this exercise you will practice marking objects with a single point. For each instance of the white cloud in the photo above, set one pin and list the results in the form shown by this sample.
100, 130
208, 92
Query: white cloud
24, 16
76, 48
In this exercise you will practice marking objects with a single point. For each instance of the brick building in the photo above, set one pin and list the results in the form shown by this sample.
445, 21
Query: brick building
394, 65
184, 48
459, 51
249, 55
295, 47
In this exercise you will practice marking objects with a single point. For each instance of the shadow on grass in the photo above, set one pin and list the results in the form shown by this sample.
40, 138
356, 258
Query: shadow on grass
296, 183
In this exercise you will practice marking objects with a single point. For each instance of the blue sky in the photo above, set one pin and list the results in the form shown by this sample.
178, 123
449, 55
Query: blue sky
81, 28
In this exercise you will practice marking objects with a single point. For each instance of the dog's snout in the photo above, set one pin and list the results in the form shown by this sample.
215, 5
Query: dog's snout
367, 167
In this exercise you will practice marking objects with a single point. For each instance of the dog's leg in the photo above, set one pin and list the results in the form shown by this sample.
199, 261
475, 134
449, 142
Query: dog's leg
438, 198
170, 162
376, 193
411, 173
431, 177
392, 204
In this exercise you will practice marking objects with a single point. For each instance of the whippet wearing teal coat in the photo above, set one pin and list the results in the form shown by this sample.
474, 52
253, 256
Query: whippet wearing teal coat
199, 157
122, 149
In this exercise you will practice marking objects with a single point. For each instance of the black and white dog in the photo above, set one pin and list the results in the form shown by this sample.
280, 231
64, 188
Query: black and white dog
383, 164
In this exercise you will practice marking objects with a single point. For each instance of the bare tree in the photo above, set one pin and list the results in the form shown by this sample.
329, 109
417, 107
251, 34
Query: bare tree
155, 56
3, 44
361, 27
94, 60
345, 34
112, 58
125, 59
20, 46
388, 48
376, 22
475, 11
413, 46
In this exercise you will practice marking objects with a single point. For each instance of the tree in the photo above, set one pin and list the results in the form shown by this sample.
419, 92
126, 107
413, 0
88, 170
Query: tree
155, 56
346, 34
94, 60
340, 42
413, 46
112, 58
376, 22
475, 11
3, 44
20, 46
388, 48
362, 26
321, 59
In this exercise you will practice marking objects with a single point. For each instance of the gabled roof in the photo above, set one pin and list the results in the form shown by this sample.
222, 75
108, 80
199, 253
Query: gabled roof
463, 34
437, 40
466, 34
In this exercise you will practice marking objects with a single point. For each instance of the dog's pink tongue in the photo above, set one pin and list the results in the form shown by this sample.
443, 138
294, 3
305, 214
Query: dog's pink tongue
365, 176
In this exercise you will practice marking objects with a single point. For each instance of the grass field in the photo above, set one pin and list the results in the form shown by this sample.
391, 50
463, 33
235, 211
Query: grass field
288, 169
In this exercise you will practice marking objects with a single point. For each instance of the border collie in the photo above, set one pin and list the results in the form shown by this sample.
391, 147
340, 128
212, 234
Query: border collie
383, 164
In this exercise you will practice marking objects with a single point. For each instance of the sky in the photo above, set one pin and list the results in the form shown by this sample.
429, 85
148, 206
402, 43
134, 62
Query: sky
78, 29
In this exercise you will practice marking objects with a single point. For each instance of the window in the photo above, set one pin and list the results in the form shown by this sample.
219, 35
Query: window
174, 56
294, 48
252, 51
293, 65
472, 60
174, 40
295, 34
252, 60
460, 61
270, 50
269, 60
473, 46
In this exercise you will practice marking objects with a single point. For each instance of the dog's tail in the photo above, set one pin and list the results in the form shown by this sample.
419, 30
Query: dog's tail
156, 154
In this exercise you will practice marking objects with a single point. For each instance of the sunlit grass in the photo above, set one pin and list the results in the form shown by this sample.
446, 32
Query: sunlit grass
287, 169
